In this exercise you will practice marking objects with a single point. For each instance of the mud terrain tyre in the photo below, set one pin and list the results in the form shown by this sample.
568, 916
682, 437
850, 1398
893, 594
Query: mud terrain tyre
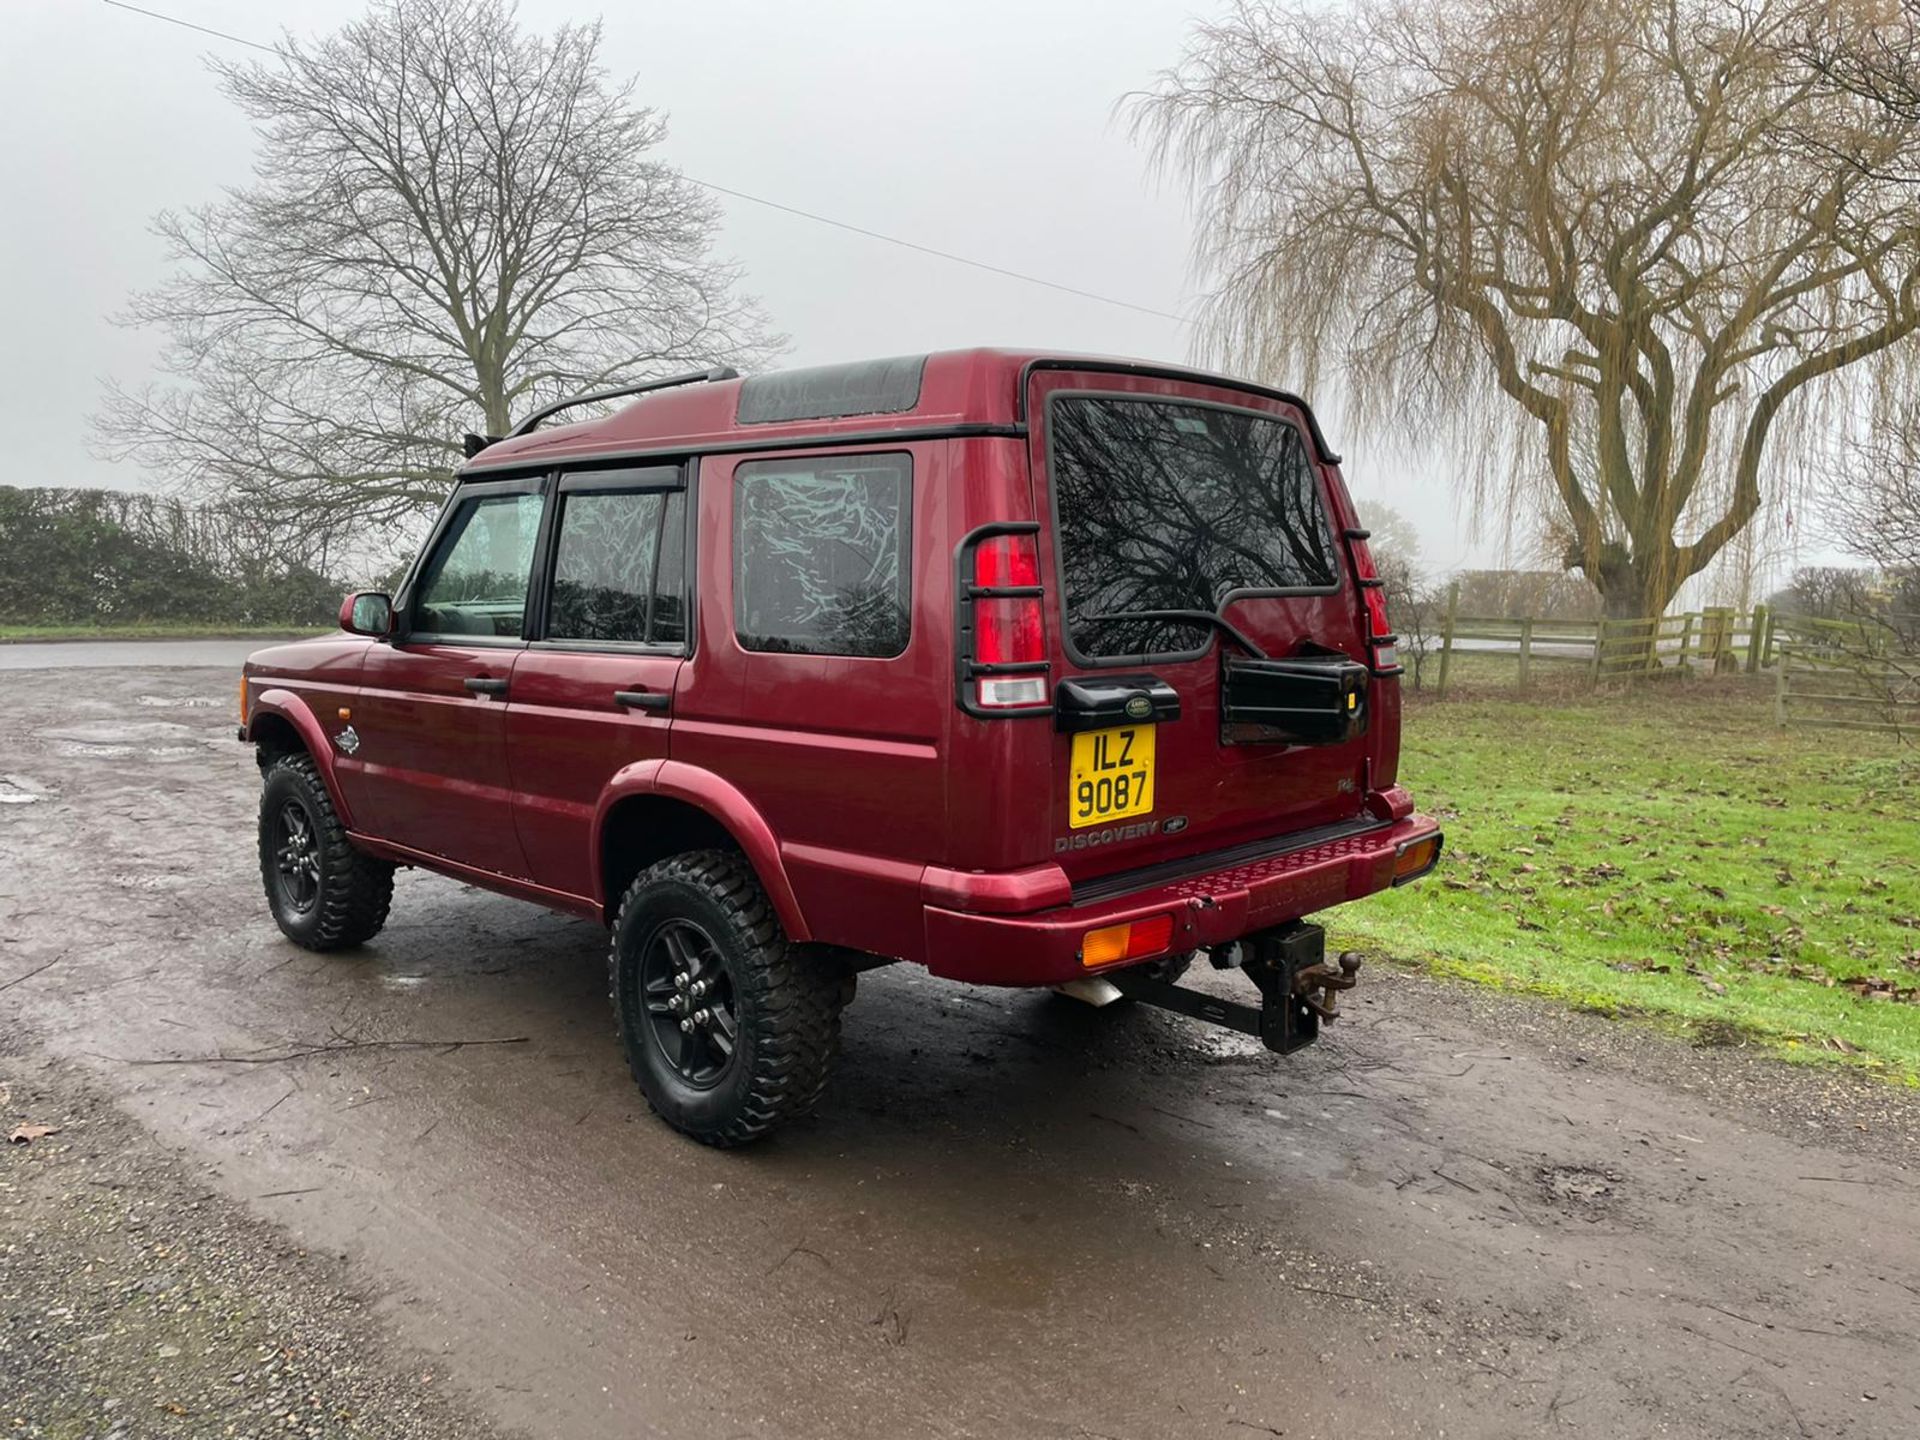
729, 1028
324, 894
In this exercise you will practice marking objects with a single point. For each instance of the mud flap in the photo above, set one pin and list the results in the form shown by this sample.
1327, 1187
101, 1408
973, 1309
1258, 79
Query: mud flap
1287, 965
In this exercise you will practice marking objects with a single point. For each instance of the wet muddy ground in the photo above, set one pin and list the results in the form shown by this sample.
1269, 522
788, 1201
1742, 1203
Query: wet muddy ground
1461, 1214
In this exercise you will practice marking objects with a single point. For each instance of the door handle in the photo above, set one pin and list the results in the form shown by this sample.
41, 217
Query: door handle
642, 699
485, 685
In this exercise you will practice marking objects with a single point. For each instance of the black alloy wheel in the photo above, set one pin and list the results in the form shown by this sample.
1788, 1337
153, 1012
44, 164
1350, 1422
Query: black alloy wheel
690, 1002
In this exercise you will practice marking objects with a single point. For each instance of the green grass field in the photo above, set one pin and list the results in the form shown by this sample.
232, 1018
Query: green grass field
1668, 853
15, 634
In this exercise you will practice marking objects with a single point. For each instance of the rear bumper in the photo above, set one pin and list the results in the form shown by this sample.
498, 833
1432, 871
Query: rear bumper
1043, 947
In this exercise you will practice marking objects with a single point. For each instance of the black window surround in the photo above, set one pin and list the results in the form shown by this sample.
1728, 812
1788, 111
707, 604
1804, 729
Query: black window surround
406, 607
551, 484
657, 479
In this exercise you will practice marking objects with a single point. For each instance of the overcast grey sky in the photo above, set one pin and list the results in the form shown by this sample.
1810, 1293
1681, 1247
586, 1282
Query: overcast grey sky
985, 128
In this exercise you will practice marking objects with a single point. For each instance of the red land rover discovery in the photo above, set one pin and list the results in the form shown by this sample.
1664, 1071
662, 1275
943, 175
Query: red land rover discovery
1030, 669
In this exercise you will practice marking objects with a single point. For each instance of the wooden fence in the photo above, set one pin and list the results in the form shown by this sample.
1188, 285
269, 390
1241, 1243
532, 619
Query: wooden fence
1840, 676
1718, 641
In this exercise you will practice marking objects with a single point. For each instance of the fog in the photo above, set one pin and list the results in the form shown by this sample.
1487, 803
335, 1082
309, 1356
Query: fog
988, 130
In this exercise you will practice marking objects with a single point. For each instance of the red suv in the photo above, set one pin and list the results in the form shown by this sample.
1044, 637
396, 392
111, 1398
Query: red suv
1031, 669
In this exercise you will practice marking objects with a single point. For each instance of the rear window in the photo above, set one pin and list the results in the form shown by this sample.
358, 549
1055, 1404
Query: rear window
1172, 505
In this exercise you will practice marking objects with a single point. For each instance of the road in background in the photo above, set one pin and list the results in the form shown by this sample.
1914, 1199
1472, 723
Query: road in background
1461, 1214
127, 654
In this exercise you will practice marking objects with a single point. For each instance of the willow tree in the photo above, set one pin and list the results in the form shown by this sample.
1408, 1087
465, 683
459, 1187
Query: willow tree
1633, 260
452, 220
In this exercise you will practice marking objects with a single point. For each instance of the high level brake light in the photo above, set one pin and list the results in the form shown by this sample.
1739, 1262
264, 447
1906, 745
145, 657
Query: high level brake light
1373, 590
1009, 638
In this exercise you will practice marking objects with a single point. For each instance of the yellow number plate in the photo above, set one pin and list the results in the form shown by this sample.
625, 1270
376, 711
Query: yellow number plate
1112, 775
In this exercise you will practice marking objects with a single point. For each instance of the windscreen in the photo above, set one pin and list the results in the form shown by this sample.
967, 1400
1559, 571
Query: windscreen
1173, 505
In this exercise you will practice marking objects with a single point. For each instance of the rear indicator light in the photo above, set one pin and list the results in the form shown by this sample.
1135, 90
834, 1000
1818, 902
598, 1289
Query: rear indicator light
1135, 940
1416, 858
1007, 668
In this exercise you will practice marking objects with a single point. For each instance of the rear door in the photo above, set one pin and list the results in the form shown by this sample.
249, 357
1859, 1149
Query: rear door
1159, 496
593, 693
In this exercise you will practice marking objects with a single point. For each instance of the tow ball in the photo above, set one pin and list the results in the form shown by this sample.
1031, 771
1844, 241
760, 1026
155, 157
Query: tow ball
1299, 987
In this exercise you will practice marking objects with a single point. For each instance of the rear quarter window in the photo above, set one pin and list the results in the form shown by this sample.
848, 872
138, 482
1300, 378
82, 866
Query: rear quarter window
1177, 505
821, 564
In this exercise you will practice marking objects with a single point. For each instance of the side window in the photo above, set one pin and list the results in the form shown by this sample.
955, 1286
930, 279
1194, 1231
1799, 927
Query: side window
476, 584
821, 563
617, 573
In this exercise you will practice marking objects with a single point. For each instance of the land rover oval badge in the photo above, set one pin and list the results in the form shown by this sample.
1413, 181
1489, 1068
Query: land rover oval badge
1139, 707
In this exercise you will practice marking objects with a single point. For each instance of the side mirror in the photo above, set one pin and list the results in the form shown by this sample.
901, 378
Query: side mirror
367, 612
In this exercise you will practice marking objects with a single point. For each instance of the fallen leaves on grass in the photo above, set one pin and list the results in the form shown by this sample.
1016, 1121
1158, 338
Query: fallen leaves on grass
27, 1134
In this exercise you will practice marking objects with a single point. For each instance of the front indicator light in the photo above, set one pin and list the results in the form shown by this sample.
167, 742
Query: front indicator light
1416, 858
243, 700
1135, 940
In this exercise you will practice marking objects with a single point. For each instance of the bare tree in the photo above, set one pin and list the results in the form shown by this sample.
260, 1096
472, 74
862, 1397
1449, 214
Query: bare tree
452, 220
1394, 535
1635, 257
1416, 607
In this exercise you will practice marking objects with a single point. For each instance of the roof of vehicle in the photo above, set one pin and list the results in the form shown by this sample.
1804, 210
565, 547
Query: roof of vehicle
953, 391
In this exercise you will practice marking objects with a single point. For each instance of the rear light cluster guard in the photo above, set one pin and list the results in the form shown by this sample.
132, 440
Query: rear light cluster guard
1000, 654
1381, 656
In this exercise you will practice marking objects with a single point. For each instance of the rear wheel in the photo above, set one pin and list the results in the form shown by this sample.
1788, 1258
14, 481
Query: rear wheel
729, 1028
324, 894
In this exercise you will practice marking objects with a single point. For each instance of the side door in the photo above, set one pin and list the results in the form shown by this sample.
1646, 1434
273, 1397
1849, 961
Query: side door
431, 715
594, 690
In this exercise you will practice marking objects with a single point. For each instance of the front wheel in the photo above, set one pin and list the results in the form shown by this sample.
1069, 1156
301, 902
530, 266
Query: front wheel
324, 894
729, 1028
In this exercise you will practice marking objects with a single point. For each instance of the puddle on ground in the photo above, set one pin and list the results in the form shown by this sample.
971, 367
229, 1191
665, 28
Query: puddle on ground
1581, 1189
122, 740
19, 790
178, 702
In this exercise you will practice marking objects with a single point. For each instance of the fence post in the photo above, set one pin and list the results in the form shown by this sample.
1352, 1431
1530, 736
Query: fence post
1599, 649
1526, 649
1686, 638
1780, 695
1756, 640
1446, 637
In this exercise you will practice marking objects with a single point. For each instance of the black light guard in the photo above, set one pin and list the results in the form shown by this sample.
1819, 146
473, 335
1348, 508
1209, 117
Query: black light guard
1301, 700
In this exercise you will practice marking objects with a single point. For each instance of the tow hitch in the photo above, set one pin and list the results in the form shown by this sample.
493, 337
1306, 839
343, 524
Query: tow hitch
1299, 987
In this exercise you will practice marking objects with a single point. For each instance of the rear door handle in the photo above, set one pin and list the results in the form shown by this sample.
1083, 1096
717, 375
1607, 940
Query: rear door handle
485, 685
642, 699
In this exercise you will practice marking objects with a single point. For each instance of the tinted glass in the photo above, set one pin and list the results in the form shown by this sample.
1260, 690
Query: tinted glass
476, 583
603, 570
820, 554
1169, 506
670, 585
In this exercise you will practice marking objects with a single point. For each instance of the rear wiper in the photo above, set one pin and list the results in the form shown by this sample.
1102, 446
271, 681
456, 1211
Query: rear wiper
1193, 617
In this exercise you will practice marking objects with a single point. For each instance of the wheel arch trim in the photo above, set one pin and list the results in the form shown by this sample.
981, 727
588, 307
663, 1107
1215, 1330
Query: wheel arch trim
290, 707
721, 801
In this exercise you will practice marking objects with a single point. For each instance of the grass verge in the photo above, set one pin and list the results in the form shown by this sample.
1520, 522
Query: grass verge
1670, 854
21, 634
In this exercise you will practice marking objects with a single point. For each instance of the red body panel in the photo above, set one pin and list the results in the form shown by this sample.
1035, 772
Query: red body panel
879, 814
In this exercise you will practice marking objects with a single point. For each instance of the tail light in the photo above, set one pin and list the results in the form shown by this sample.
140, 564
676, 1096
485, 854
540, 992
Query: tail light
1373, 590
1002, 649
1135, 940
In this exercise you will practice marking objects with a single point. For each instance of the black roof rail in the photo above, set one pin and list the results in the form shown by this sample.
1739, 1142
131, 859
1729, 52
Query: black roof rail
620, 392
